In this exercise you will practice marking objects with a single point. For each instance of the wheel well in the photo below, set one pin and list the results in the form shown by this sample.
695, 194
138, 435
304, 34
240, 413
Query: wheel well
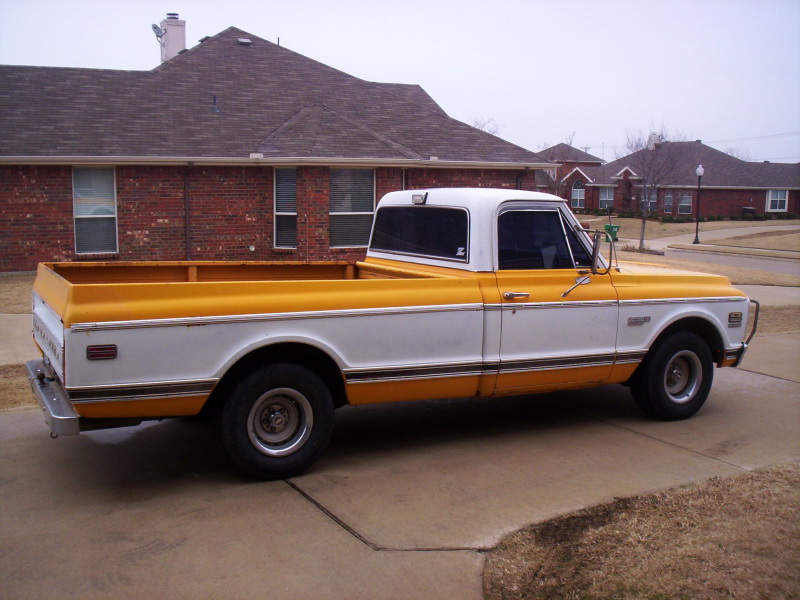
312, 358
701, 327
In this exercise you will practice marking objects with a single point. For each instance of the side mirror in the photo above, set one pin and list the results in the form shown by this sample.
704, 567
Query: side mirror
595, 253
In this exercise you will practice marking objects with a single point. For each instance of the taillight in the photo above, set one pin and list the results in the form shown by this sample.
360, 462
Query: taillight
104, 352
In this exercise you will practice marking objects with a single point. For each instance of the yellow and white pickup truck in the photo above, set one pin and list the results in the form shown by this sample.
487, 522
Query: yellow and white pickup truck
464, 293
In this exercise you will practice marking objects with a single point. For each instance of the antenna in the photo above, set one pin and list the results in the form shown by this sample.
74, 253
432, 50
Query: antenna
158, 31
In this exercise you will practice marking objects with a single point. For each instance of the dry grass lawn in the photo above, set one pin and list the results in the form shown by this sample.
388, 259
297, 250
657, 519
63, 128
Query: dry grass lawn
15, 294
631, 228
737, 537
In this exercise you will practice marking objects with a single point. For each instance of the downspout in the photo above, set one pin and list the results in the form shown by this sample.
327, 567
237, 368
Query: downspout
520, 176
186, 212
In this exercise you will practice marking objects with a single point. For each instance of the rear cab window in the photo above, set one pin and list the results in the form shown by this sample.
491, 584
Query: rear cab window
427, 231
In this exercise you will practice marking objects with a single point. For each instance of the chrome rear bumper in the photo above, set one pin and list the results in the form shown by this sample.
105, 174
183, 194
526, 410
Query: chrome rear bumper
59, 415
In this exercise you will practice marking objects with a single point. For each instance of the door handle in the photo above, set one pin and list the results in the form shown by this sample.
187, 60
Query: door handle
515, 295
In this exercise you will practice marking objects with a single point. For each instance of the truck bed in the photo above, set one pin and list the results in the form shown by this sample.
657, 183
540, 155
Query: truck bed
182, 272
103, 292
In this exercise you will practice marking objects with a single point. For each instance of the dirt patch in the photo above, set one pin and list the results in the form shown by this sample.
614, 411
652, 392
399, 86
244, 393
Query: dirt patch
737, 537
777, 320
15, 391
15, 294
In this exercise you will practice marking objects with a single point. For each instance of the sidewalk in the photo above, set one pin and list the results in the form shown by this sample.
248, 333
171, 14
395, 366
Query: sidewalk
685, 241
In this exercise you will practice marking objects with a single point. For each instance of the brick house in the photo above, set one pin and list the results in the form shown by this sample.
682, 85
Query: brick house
570, 177
665, 173
235, 149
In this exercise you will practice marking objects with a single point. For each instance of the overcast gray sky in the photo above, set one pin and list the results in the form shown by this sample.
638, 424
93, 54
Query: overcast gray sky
724, 71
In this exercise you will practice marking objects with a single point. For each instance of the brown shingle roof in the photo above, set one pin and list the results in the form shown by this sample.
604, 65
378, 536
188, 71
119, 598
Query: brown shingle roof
721, 169
271, 100
565, 153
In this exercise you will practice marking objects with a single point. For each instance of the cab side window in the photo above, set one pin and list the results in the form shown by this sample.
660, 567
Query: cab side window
532, 239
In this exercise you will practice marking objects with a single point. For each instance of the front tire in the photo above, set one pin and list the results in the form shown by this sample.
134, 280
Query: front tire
277, 421
675, 378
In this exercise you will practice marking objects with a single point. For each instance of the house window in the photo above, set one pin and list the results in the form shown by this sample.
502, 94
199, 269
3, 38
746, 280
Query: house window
578, 195
777, 200
94, 201
650, 204
285, 208
685, 206
352, 204
606, 198
668, 203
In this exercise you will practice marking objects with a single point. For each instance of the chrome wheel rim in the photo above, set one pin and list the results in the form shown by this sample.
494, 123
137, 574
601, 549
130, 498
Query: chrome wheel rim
280, 422
683, 377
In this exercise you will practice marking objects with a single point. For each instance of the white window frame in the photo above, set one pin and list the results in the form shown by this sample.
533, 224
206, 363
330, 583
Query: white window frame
78, 202
686, 201
334, 213
578, 196
608, 202
283, 213
781, 203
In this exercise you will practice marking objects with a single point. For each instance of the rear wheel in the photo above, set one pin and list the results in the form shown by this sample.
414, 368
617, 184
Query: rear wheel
277, 421
675, 378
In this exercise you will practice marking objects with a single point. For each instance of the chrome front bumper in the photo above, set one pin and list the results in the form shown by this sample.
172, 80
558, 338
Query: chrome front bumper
750, 336
59, 415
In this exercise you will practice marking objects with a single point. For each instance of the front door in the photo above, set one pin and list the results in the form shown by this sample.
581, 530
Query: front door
555, 333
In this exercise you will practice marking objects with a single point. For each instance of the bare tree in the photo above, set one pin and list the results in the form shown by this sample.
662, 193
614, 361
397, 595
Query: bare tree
487, 124
655, 159
739, 153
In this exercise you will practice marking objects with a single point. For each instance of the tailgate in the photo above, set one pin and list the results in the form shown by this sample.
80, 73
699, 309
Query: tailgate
48, 332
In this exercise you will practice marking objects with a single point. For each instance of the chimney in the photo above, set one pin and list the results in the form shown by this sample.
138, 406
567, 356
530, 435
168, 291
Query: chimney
174, 38
654, 141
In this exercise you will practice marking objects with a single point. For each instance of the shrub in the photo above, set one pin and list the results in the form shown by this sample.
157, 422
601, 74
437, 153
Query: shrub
667, 219
683, 219
761, 217
735, 217
748, 217
790, 215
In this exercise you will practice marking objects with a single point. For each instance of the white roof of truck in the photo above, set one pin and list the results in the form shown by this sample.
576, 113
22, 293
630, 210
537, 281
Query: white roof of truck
483, 205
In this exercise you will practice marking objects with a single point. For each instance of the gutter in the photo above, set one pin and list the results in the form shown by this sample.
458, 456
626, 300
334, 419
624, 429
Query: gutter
258, 160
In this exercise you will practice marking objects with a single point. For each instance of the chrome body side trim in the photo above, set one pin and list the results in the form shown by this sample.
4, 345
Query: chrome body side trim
660, 301
266, 317
140, 391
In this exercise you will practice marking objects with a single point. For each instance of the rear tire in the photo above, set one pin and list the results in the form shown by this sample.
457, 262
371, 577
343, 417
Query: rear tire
675, 378
277, 421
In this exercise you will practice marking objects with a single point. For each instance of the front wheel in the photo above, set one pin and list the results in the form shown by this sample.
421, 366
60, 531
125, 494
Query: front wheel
277, 422
675, 378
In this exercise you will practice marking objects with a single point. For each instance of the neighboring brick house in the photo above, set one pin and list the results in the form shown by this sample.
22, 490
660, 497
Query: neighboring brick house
569, 180
234, 149
729, 186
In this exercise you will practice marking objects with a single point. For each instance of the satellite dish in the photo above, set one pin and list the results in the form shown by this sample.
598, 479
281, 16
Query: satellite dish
158, 31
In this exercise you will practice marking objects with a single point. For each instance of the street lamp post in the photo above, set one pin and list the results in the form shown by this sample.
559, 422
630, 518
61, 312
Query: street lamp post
699, 173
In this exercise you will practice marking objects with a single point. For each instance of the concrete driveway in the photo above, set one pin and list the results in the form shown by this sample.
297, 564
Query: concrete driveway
401, 505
